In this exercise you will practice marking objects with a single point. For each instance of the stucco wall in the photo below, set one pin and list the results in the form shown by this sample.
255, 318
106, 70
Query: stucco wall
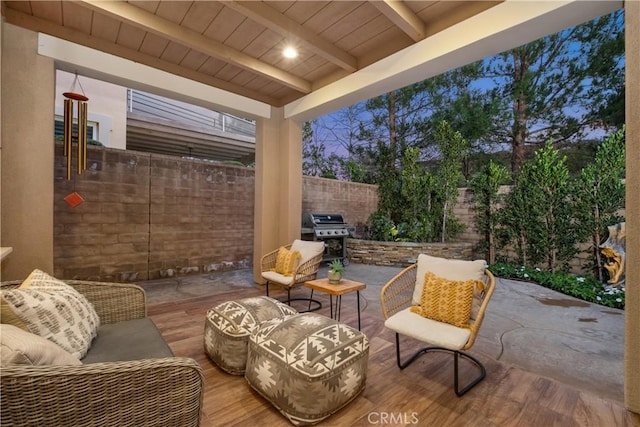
632, 301
27, 183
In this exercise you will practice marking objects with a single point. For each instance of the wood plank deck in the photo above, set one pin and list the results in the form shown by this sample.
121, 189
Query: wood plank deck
421, 394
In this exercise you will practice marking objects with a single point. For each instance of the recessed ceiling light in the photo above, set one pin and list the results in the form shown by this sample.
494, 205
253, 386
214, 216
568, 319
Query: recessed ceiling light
290, 52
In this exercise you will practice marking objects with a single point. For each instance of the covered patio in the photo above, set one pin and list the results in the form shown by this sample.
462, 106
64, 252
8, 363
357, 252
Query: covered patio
155, 46
541, 371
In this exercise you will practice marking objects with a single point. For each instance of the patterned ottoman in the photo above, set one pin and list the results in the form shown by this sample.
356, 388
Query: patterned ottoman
228, 325
308, 366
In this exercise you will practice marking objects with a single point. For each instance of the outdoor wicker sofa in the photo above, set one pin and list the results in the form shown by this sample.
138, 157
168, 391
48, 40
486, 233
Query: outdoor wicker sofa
132, 390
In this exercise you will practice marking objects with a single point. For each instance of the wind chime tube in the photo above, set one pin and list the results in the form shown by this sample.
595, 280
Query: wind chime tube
68, 133
84, 145
82, 136
82, 128
68, 112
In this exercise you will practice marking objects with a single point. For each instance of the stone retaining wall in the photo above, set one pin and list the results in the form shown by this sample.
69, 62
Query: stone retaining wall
401, 254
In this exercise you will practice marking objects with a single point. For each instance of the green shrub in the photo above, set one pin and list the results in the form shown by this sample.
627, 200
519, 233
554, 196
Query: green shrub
584, 288
486, 198
382, 227
538, 216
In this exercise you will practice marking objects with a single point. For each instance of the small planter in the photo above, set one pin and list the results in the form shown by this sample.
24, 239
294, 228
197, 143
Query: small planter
336, 269
334, 277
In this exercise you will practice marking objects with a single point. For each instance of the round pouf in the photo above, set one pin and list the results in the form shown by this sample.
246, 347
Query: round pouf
228, 326
308, 366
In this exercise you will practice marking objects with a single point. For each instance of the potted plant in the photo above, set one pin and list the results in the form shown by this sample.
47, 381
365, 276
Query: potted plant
335, 271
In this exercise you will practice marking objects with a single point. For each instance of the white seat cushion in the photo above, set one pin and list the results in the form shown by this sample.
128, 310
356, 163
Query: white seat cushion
439, 334
307, 249
272, 276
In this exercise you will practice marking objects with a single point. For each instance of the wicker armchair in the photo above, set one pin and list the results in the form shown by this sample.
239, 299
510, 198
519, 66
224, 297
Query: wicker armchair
306, 270
151, 392
396, 298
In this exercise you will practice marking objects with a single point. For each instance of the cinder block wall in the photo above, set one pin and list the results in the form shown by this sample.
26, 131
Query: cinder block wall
201, 217
107, 236
147, 216
354, 200
464, 212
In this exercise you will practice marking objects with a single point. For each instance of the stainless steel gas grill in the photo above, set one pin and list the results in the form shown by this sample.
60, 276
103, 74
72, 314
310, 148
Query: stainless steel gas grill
330, 228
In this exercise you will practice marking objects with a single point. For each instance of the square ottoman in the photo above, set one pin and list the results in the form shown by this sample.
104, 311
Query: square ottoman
228, 326
308, 366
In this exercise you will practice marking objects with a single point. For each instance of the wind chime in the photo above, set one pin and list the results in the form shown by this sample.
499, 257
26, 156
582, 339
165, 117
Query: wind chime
82, 128
74, 199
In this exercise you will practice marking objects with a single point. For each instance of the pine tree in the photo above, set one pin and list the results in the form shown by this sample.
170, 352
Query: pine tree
549, 87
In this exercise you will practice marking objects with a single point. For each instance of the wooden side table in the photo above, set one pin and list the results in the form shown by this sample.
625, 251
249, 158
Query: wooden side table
344, 287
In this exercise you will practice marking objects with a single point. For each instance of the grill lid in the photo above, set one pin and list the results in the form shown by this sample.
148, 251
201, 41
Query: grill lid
324, 225
313, 219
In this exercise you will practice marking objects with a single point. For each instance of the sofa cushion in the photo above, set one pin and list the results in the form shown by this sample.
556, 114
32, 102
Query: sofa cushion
56, 311
18, 347
129, 340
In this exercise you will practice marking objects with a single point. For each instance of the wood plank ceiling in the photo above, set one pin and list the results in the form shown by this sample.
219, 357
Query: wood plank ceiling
237, 45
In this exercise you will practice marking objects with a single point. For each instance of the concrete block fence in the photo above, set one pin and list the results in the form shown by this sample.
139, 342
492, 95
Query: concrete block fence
148, 216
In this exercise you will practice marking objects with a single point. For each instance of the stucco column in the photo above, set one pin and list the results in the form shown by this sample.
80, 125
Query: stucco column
278, 185
27, 87
632, 217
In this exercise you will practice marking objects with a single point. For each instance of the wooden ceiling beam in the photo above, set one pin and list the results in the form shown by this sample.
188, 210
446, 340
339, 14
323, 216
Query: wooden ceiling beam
402, 17
164, 28
288, 28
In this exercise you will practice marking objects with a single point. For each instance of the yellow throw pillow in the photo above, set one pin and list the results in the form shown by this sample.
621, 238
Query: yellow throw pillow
446, 301
286, 261
8, 317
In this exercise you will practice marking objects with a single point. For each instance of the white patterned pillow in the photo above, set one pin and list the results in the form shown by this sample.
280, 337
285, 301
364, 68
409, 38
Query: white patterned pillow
54, 310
